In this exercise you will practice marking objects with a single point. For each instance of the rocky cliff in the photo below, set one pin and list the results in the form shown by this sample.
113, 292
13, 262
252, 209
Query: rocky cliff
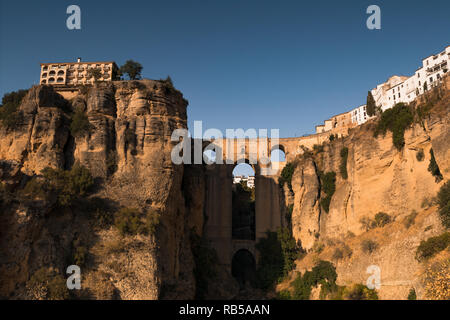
381, 178
127, 149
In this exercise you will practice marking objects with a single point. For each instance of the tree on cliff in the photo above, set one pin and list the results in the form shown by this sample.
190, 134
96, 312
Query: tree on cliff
132, 68
370, 107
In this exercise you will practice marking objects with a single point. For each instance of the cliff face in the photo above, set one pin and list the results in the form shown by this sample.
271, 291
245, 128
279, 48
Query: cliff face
127, 150
380, 179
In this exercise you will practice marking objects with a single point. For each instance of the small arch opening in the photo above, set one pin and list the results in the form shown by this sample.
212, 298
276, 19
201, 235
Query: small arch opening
243, 268
277, 154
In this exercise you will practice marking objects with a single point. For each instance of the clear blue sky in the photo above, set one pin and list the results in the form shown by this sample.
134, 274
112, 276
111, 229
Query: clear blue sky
240, 63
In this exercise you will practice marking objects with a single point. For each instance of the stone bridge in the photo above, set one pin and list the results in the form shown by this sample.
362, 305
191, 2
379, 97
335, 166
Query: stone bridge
269, 199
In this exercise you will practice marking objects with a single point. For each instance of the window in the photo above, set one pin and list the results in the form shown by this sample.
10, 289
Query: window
419, 83
418, 75
431, 79
399, 94
438, 76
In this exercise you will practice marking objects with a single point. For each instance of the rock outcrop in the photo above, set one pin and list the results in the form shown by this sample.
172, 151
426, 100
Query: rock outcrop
127, 149
380, 179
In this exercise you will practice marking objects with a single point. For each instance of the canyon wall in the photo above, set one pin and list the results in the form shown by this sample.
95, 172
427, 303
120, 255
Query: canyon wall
381, 178
127, 150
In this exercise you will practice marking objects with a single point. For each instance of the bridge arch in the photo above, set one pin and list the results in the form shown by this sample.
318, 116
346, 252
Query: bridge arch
243, 267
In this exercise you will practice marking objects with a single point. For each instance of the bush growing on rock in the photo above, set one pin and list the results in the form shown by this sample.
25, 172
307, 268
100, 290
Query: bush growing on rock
397, 120
360, 292
430, 247
65, 186
382, 219
47, 284
9, 114
434, 168
369, 246
323, 273
443, 200
420, 155
286, 175
412, 294
130, 221
343, 165
328, 183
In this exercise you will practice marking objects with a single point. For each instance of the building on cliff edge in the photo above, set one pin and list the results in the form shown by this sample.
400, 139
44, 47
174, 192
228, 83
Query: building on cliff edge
76, 73
397, 89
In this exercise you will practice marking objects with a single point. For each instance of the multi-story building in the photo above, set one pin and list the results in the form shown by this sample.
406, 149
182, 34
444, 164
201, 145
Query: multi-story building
405, 89
251, 182
359, 115
76, 73
342, 120
395, 90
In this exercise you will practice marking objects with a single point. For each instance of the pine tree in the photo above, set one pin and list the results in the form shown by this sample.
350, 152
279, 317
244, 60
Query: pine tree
370, 107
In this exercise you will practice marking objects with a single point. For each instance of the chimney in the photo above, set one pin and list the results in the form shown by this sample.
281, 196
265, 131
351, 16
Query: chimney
79, 60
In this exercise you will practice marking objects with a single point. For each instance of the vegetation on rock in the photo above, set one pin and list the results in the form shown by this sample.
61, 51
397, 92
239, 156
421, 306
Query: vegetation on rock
328, 184
430, 247
343, 165
397, 120
434, 168
9, 114
286, 175
130, 221
443, 200
131, 68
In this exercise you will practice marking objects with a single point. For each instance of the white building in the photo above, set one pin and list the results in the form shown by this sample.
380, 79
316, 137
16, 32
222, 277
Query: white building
359, 115
250, 180
405, 89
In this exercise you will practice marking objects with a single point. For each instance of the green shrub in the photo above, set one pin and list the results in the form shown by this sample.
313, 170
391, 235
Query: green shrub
343, 165
51, 285
65, 186
420, 155
443, 200
410, 219
323, 273
206, 263
286, 175
343, 253
369, 246
412, 294
277, 254
284, 295
428, 248
328, 184
68, 186
381, 219
361, 292
80, 126
9, 114
396, 120
434, 168
130, 221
